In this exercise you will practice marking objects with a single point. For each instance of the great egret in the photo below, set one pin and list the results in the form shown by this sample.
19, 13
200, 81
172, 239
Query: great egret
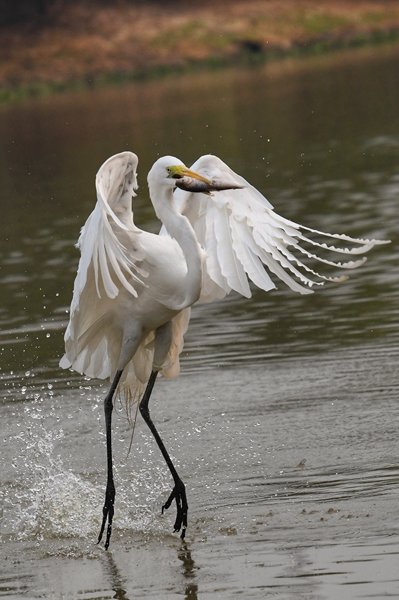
133, 289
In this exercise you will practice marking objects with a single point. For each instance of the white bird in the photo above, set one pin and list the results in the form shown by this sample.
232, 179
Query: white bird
133, 290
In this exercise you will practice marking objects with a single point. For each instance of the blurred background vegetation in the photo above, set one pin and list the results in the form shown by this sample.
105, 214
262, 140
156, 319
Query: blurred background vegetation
56, 44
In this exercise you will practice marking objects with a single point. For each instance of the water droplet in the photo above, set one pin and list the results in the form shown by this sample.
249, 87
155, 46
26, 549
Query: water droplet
47, 335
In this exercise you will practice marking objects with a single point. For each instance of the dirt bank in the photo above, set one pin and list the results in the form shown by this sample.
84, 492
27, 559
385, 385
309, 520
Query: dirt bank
92, 42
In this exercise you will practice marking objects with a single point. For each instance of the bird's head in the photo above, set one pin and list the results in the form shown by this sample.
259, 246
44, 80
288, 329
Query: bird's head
170, 172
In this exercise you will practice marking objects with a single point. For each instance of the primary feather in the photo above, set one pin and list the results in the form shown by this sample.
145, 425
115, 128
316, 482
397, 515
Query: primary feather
243, 237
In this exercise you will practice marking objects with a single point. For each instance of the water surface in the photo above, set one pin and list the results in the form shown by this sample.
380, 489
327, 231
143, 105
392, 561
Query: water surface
284, 421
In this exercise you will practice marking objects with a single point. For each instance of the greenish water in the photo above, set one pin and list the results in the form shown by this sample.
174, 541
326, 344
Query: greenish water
267, 383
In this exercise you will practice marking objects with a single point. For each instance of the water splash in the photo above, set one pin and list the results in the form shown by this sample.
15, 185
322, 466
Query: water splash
47, 501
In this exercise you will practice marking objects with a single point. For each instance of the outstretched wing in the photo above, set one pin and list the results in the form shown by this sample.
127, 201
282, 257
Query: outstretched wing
244, 238
110, 261
100, 240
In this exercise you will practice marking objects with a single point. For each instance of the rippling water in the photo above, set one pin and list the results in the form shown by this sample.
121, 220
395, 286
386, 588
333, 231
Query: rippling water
284, 422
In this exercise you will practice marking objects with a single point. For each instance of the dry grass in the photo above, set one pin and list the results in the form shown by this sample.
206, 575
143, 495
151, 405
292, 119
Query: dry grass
85, 43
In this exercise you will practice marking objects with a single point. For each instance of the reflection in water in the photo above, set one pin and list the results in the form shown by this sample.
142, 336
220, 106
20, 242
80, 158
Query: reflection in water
189, 568
116, 580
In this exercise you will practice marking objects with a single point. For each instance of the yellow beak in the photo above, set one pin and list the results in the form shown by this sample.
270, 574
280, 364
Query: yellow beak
179, 171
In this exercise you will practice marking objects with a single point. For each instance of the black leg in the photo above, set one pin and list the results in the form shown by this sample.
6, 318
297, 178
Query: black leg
108, 510
179, 491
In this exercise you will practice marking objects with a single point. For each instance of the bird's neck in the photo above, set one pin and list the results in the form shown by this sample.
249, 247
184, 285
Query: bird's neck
179, 227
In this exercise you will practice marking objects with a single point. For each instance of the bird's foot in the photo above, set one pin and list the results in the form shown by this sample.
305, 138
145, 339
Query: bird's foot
179, 495
108, 514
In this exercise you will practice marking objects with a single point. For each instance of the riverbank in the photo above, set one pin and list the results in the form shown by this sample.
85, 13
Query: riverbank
81, 45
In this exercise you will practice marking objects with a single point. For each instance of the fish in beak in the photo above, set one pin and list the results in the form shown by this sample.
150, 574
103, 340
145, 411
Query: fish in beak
190, 181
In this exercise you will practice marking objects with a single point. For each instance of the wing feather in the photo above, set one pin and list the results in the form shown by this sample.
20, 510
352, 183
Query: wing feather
114, 263
244, 238
230, 266
248, 255
210, 240
111, 260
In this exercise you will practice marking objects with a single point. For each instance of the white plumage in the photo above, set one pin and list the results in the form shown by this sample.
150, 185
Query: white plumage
124, 272
241, 233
